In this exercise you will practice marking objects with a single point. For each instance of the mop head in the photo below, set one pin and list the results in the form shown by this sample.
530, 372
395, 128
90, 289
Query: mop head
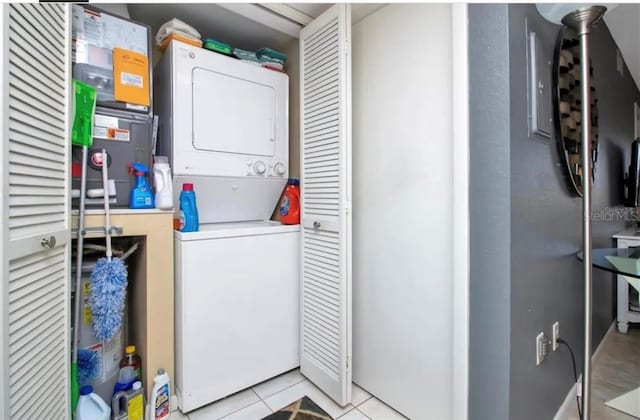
107, 297
88, 367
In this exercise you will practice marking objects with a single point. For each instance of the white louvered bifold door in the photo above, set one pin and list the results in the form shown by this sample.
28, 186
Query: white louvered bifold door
34, 179
325, 169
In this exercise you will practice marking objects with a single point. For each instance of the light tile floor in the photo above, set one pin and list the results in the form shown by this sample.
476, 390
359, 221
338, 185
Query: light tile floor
616, 371
274, 394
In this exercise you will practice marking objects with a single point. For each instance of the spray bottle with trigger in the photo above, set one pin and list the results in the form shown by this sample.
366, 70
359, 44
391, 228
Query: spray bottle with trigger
141, 196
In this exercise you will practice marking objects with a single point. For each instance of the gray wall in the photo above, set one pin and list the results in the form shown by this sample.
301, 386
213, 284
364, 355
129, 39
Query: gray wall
489, 212
543, 221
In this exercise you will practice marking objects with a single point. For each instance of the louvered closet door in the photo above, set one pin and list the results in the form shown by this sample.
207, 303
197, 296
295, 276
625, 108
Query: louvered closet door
325, 66
35, 349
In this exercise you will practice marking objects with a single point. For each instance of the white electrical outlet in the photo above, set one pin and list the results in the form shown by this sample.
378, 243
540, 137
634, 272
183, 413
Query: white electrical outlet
540, 348
556, 334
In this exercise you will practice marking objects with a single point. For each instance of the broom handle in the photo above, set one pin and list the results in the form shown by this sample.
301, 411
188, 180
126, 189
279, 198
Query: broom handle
105, 187
79, 291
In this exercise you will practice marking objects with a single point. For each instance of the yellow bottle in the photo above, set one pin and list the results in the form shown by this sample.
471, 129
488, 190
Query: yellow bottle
135, 402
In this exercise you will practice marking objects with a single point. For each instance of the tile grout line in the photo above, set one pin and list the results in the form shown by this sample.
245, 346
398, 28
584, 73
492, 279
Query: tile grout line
364, 414
283, 389
365, 400
347, 412
263, 401
235, 411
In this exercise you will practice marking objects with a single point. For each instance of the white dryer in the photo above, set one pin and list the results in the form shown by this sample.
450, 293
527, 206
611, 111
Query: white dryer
224, 125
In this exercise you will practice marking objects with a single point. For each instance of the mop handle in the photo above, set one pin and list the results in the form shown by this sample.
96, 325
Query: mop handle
105, 187
79, 255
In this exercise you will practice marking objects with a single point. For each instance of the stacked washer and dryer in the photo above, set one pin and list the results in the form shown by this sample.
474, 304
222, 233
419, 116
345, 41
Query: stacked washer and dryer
224, 125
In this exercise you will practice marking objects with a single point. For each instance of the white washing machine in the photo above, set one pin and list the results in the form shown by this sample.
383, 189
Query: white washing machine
236, 308
224, 125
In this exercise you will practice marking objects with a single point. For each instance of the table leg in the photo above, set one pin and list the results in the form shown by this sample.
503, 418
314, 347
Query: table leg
623, 305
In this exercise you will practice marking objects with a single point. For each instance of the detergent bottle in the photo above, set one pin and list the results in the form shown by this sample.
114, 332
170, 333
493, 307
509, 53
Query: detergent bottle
91, 406
141, 196
162, 183
188, 209
129, 405
290, 203
160, 396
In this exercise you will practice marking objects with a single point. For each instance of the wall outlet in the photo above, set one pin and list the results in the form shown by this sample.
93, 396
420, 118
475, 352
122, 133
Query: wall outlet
540, 348
579, 387
555, 335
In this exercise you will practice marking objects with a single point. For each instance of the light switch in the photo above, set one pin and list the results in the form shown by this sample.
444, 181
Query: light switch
540, 90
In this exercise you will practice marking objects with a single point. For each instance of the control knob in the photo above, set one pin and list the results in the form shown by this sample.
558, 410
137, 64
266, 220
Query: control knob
279, 169
259, 167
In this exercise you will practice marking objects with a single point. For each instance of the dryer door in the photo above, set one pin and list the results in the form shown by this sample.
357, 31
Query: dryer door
241, 111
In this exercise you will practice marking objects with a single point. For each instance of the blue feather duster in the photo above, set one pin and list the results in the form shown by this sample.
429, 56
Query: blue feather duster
107, 297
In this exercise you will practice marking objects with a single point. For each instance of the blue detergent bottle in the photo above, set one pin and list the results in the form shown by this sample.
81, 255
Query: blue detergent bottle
188, 209
140, 196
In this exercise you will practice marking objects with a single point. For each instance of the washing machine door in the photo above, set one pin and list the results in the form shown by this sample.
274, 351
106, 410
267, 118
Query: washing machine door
241, 111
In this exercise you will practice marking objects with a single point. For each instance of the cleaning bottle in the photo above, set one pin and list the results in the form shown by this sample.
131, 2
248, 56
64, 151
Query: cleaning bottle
126, 378
132, 359
129, 405
162, 183
135, 402
160, 396
91, 406
188, 209
140, 196
119, 406
290, 203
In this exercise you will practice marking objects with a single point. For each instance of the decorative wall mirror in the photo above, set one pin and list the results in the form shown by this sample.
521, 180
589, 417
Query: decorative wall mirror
567, 102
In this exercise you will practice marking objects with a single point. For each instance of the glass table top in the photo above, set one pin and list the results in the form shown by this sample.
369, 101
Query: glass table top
624, 261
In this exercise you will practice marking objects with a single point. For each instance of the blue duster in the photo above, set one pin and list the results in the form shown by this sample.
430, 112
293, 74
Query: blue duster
107, 297
88, 366
108, 279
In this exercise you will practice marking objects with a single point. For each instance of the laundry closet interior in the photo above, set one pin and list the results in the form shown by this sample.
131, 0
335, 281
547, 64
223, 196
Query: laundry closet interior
361, 291
254, 300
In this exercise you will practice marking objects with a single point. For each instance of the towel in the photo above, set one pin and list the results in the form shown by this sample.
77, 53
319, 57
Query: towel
176, 26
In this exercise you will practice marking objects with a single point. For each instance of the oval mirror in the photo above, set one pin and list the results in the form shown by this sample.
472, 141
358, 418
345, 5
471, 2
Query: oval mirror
567, 105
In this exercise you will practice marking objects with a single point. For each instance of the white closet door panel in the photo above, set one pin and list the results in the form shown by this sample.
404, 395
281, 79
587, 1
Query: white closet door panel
35, 214
325, 187
37, 160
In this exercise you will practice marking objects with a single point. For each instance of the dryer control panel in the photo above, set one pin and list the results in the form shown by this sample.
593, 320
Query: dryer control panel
266, 168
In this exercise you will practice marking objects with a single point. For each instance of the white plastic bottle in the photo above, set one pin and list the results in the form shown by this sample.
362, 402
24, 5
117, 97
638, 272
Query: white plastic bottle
91, 406
162, 183
160, 396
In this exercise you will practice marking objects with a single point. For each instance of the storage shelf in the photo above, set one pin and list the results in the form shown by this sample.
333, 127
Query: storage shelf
152, 321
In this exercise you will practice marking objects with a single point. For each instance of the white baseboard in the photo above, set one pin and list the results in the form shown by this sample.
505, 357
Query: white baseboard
568, 407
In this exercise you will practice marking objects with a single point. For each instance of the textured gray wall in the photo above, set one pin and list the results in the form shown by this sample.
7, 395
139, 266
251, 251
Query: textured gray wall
489, 212
544, 221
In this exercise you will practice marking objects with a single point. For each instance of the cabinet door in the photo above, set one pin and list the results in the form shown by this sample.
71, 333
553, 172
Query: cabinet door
34, 320
325, 168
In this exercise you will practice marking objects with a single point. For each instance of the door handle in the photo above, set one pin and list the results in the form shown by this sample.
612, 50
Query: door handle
316, 225
49, 242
